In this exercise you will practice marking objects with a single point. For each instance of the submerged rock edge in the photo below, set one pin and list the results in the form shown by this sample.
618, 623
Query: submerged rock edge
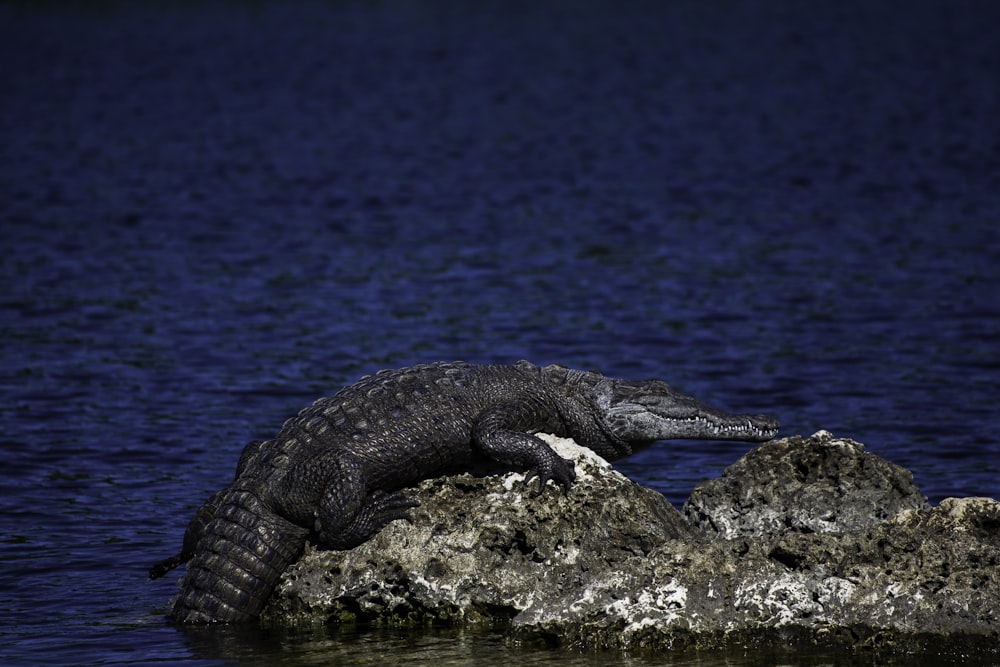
613, 565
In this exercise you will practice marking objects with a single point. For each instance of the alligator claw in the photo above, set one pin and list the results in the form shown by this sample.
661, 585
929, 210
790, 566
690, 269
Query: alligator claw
562, 473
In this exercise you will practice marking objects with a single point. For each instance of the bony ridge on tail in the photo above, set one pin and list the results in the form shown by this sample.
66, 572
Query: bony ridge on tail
334, 472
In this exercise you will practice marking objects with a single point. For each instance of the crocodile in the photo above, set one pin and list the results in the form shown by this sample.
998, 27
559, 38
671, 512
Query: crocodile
335, 473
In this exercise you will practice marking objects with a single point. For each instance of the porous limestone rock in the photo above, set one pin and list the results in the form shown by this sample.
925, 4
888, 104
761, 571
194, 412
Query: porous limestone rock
807, 538
923, 580
820, 484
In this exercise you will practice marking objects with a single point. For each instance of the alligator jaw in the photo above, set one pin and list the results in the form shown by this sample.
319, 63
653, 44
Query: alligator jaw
750, 428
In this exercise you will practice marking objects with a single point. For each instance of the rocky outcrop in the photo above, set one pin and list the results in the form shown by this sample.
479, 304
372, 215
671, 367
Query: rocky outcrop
820, 485
807, 538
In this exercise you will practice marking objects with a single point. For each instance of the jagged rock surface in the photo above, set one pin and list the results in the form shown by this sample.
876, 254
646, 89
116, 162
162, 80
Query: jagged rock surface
613, 565
821, 484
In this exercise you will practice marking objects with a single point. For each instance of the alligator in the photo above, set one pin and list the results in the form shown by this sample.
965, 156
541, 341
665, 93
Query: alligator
335, 473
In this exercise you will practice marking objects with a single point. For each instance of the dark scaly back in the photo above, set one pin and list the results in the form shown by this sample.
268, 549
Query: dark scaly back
374, 407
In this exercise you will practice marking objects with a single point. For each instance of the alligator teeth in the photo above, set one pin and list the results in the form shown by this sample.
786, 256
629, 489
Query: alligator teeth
745, 427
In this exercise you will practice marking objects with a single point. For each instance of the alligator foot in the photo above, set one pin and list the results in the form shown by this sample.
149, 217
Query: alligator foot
557, 469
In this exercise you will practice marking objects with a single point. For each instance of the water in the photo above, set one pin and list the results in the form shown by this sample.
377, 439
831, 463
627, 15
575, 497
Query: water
213, 214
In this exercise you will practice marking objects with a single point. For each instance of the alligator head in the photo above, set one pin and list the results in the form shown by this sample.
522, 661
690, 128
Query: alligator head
631, 415
649, 410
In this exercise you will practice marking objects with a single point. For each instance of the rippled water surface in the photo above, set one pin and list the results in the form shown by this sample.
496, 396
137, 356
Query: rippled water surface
213, 214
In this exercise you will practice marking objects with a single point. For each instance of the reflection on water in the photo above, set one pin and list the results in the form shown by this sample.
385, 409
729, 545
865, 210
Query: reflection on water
323, 645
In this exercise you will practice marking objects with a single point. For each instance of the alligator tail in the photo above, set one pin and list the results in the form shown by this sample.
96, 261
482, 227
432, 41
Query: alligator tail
193, 534
238, 561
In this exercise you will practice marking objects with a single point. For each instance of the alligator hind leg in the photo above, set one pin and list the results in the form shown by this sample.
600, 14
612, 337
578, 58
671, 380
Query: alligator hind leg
350, 514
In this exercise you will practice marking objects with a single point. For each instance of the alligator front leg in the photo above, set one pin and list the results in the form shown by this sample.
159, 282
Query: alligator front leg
499, 432
238, 561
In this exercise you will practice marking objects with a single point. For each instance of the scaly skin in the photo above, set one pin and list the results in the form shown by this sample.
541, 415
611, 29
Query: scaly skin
334, 472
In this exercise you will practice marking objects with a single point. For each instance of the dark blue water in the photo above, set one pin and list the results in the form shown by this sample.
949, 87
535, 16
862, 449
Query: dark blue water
213, 214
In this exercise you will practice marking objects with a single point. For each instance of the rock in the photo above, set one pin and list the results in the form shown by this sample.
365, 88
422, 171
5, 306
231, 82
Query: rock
821, 484
923, 578
930, 570
808, 538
